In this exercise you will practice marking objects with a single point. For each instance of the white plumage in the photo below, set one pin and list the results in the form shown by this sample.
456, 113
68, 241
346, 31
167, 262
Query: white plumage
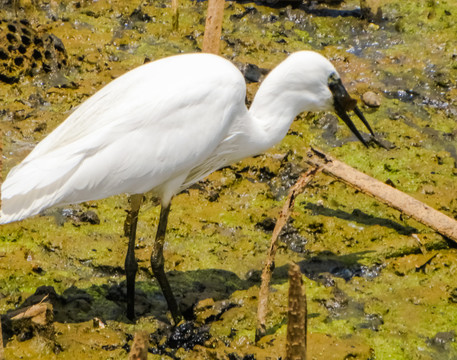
162, 127
140, 132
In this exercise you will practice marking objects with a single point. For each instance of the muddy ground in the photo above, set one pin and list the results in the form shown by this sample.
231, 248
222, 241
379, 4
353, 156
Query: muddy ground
374, 291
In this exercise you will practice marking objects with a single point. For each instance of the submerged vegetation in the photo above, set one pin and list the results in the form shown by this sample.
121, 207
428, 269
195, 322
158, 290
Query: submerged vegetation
379, 285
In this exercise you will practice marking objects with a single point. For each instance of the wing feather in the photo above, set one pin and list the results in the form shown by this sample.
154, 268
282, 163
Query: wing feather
139, 132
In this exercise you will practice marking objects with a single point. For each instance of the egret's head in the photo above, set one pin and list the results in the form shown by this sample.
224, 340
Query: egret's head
317, 86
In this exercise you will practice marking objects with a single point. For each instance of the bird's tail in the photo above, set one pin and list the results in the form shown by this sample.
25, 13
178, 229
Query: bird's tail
33, 186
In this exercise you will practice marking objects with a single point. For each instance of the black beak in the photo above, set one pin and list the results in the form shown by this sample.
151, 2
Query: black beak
343, 103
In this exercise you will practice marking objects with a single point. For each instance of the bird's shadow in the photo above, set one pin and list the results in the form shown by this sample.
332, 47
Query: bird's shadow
107, 302
360, 217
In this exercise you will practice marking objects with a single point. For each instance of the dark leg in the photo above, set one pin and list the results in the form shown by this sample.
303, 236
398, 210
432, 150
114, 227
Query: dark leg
131, 265
157, 263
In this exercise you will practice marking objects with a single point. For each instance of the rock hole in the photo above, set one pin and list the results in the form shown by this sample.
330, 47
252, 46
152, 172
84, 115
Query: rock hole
46, 67
8, 79
37, 41
59, 48
11, 28
36, 55
58, 44
26, 40
48, 55
11, 38
22, 49
19, 61
26, 31
3, 54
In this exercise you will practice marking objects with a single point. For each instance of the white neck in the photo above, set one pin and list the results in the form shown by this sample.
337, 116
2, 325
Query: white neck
273, 113
296, 85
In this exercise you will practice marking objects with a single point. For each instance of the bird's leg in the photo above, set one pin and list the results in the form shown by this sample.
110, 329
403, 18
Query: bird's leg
157, 265
131, 265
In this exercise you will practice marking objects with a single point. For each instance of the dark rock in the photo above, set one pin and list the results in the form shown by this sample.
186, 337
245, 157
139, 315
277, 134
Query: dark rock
453, 296
91, 217
77, 216
290, 235
40, 127
139, 15
442, 339
252, 73
213, 195
373, 322
267, 224
187, 335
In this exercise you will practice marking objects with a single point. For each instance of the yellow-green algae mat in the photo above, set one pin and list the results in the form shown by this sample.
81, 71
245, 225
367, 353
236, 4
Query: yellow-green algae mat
373, 291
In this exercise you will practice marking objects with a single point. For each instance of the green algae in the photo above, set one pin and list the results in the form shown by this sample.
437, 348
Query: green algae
215, 246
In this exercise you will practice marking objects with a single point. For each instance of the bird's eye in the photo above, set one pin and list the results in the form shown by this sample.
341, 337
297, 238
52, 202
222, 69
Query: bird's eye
333, 78
340, 95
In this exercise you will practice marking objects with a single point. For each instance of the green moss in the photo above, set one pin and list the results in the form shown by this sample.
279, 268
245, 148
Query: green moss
216, 243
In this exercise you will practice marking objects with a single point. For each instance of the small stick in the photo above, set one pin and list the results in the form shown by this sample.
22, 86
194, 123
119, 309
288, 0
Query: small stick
175, 16
213, 26
269, 264
29, 312
139, 350
419, 242
297, 325
397, 199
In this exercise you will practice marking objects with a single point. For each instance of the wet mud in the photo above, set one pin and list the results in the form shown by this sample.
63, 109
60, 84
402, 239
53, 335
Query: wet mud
379, 285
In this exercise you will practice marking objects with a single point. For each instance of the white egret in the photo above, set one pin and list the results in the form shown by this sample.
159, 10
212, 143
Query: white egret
162, 127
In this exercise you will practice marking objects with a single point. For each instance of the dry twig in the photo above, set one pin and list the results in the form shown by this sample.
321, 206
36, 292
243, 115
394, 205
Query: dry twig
35, 312
297, 316
139, 350
269, 264
385, 193
175, 16
213, 26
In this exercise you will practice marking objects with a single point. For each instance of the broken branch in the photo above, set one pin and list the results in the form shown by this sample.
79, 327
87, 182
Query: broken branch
269, 263
297, 316
139, 350
421, 212
175, 14
213, 26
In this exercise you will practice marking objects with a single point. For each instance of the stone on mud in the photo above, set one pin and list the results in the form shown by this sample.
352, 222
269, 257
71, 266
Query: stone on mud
371, 99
